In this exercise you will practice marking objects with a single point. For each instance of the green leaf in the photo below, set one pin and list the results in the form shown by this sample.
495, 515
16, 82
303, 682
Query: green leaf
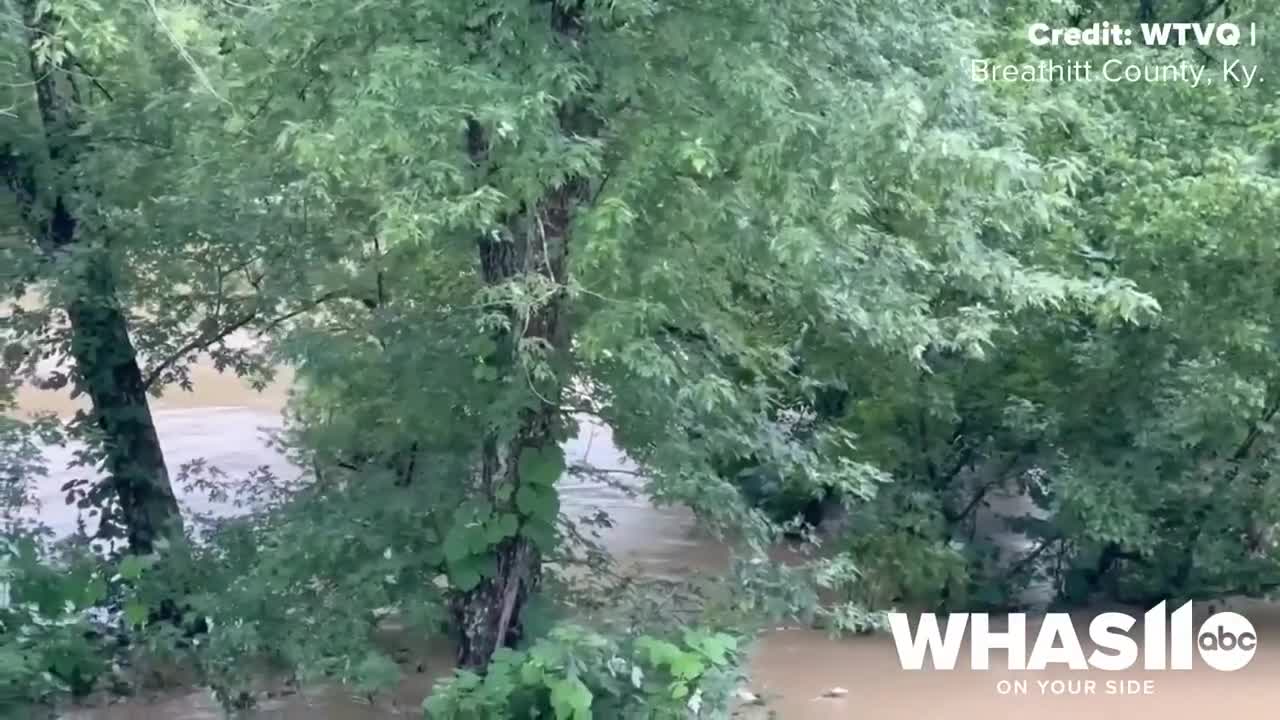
94, 591
715, 648
531, 673
541, 466
538, 502
476, 510
136, 613
457, 544
478, 538
687, 666
132, 566
661, 653
466, 577
501, 528
571, 699
542, 534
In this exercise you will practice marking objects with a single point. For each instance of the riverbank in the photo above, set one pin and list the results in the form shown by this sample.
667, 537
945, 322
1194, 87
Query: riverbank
794, 670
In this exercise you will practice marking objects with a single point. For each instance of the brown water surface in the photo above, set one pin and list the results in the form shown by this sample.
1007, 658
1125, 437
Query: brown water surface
222, 421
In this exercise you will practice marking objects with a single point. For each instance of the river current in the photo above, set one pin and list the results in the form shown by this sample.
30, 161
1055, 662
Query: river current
225, 423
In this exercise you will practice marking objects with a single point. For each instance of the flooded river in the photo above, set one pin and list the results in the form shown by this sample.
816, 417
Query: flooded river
224, 422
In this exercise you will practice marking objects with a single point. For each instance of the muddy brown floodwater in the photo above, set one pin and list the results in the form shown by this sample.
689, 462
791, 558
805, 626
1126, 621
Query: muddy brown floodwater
223, 422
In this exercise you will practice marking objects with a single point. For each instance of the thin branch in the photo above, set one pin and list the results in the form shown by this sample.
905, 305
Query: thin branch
1255, 430
1209, 10
978, 496
198, 344
92, 78
1031, 557
377, 249
962, 459
131, 139
312, 305
599, 190
605, 476
182, 51
585, 469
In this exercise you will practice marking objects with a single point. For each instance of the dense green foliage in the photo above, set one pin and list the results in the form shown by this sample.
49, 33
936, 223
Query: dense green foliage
42, 650
1148, 445
791, 253
576, 675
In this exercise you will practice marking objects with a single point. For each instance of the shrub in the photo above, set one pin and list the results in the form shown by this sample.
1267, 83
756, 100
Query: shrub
46, 644
577, 674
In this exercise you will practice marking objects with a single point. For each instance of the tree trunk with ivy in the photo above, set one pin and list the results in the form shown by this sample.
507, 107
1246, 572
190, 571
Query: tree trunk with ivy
521, 461
106, 363
514, 473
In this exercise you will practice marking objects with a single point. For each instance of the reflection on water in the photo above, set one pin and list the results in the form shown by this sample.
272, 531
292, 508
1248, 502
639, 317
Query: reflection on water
223, 423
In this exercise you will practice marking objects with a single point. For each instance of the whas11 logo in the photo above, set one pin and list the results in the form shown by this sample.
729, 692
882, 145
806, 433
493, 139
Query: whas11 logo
1226, 641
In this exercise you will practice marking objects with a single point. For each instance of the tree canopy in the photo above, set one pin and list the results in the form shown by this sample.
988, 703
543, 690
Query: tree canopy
793, 254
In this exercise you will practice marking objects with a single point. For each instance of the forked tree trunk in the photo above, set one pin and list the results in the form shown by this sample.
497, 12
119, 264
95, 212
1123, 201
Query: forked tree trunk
106, 362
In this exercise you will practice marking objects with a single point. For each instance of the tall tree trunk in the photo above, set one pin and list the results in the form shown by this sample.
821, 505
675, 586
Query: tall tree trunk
106, 362
535, 245
107, 366
489, 616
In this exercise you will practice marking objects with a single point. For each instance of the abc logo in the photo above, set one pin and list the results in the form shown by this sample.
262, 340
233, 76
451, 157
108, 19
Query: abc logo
1227, 641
